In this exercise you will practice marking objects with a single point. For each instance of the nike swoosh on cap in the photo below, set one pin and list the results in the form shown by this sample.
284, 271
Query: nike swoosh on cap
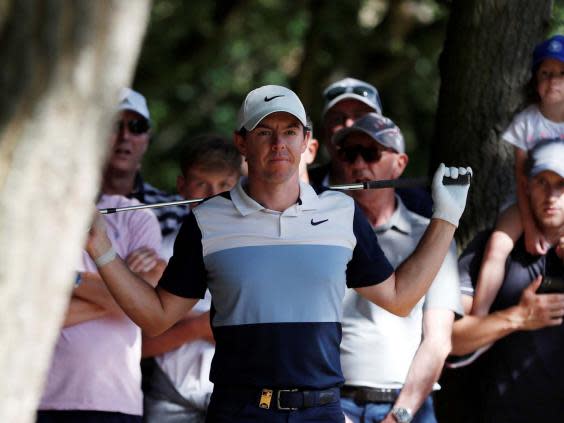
273, 97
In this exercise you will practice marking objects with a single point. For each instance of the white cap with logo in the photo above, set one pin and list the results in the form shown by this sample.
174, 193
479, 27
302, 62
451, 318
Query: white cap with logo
266, 100
132, 100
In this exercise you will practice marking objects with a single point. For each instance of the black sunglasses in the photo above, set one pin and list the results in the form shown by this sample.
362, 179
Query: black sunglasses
135, 126
369, 155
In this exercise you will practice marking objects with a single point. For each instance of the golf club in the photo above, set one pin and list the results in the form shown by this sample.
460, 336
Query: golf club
390, 183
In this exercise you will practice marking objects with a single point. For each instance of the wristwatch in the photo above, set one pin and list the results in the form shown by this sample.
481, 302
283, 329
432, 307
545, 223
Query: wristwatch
402, 415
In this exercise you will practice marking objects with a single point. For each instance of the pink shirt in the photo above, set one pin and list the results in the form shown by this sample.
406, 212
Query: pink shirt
95, 365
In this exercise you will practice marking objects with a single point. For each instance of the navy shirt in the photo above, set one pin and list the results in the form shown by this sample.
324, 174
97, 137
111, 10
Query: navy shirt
521, 378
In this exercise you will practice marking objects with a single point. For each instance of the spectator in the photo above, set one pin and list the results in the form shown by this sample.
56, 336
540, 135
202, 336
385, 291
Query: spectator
390, 363
179, 389
122, 174
521, 378
346, 101
543, 118
95, 374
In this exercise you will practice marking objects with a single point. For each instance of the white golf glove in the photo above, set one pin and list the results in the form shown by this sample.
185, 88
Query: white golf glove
449, 200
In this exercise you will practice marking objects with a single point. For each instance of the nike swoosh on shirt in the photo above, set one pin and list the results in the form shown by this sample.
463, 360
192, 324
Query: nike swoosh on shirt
318, 222
272, 98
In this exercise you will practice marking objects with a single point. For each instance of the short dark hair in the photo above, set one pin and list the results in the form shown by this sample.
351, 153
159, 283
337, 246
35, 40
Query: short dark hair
211, 152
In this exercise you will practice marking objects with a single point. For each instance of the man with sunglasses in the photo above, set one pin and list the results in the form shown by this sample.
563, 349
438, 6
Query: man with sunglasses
131, 137
390, 363
276, 257
346, 101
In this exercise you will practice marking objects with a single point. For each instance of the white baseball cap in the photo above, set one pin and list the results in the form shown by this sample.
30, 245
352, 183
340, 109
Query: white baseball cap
547, 155
132, 100
266, 100
352, 89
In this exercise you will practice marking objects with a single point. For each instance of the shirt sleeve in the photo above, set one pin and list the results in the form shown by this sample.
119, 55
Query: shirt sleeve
515, 133
186, 274
444, 292
369, 265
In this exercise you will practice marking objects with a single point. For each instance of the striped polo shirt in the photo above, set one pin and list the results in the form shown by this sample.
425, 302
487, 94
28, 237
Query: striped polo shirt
277, 281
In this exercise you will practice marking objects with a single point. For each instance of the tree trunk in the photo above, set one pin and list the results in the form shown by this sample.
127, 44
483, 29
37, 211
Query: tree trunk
62, 65
484, 65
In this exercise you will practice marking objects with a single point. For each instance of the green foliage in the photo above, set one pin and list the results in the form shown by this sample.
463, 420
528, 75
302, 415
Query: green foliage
201, 57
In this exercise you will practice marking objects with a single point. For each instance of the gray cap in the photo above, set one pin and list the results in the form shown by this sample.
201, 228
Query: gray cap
266, 100
352, 89
547, 155
379, 128
132, 100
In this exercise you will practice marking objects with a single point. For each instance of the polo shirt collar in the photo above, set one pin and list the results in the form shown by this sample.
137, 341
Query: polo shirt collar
246, 205
399, 220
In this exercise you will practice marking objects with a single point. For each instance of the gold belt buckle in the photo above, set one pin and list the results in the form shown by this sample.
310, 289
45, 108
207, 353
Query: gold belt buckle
265, 398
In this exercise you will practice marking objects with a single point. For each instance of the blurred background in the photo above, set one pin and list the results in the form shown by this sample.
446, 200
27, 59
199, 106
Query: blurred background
201, 57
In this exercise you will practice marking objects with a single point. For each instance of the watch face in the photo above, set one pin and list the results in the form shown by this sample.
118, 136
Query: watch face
402, 415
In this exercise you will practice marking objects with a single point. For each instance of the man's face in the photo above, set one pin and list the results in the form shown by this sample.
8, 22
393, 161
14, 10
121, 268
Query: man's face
546, 195
363, 159
200, 182
274, 147
126, 147
342, 115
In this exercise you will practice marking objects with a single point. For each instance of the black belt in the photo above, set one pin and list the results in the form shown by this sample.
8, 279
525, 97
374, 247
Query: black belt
364, 395
280, 399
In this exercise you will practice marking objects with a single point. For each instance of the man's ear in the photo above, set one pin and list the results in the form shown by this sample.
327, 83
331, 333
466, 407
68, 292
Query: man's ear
312, 148
240, 143
307, 137
400, 164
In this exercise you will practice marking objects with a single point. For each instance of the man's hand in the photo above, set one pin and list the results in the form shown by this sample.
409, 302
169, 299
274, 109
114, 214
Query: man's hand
449, 200
98, 242
142, 260
536, 311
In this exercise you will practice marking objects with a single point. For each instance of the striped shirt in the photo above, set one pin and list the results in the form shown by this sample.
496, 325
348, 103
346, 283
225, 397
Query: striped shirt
169, 217
277, 281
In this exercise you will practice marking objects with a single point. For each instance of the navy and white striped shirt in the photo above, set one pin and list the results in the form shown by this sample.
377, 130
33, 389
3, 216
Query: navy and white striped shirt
169, 217
277, 281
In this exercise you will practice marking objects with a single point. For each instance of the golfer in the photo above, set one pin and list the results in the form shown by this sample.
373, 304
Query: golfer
276, 257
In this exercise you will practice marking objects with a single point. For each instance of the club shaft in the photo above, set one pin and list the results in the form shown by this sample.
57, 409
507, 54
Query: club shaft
391, 183
400, 183
149, 206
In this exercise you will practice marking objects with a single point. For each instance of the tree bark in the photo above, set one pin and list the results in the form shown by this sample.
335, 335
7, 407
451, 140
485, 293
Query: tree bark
484, 65
63, 62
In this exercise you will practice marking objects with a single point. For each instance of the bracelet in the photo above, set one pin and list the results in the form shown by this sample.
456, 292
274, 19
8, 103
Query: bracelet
105, 258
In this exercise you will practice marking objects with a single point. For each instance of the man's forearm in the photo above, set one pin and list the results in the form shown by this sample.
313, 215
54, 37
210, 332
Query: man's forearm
429, 359
415, 275
473, 332
80, 311
93, 289
189, 329
137, 298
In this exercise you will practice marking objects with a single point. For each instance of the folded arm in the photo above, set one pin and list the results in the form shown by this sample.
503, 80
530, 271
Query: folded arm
189, 329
